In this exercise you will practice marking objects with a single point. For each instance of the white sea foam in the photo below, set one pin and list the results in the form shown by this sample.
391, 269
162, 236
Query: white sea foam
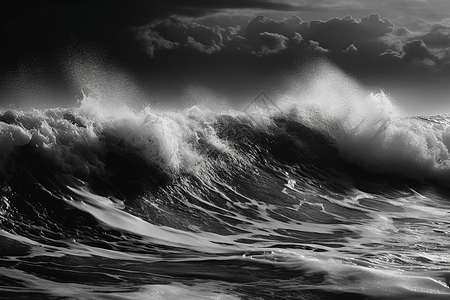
368, 129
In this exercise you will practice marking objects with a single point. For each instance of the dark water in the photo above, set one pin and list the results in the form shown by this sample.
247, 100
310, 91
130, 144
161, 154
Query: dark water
313, 201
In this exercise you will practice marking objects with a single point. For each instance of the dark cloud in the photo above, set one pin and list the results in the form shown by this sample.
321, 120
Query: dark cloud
414, 54
315, 47
272, 42
262, 36
337, 34
390, 56
171, 33
417, 51
262, 50
375, 26
50, 24
435, 35
262, 24
211, 36
154, 41
263, 33
168, 44
202, 47
438, 36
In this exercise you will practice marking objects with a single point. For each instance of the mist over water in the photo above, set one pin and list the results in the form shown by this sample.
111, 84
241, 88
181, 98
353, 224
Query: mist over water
324, 191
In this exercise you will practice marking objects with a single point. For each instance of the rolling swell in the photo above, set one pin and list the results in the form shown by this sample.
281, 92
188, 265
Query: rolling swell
137, 163
289, 204
54, 146
127, 155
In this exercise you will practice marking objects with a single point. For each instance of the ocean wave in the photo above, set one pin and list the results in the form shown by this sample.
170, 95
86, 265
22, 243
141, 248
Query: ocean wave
91, 141
248, 198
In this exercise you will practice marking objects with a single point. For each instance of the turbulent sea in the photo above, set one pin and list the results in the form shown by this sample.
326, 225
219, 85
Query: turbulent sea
307, 200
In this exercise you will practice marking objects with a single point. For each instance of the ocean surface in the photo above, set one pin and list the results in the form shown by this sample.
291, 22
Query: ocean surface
318, 199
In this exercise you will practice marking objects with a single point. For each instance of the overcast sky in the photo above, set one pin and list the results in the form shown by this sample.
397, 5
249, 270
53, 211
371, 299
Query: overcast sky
174, 49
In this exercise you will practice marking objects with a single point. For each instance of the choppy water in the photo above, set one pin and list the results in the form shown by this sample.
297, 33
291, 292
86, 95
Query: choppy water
311, 201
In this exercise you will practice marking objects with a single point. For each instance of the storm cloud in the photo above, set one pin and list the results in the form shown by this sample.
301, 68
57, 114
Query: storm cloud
366, 40
234, 47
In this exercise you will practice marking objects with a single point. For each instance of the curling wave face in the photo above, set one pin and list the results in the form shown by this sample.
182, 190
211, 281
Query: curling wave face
368, 133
